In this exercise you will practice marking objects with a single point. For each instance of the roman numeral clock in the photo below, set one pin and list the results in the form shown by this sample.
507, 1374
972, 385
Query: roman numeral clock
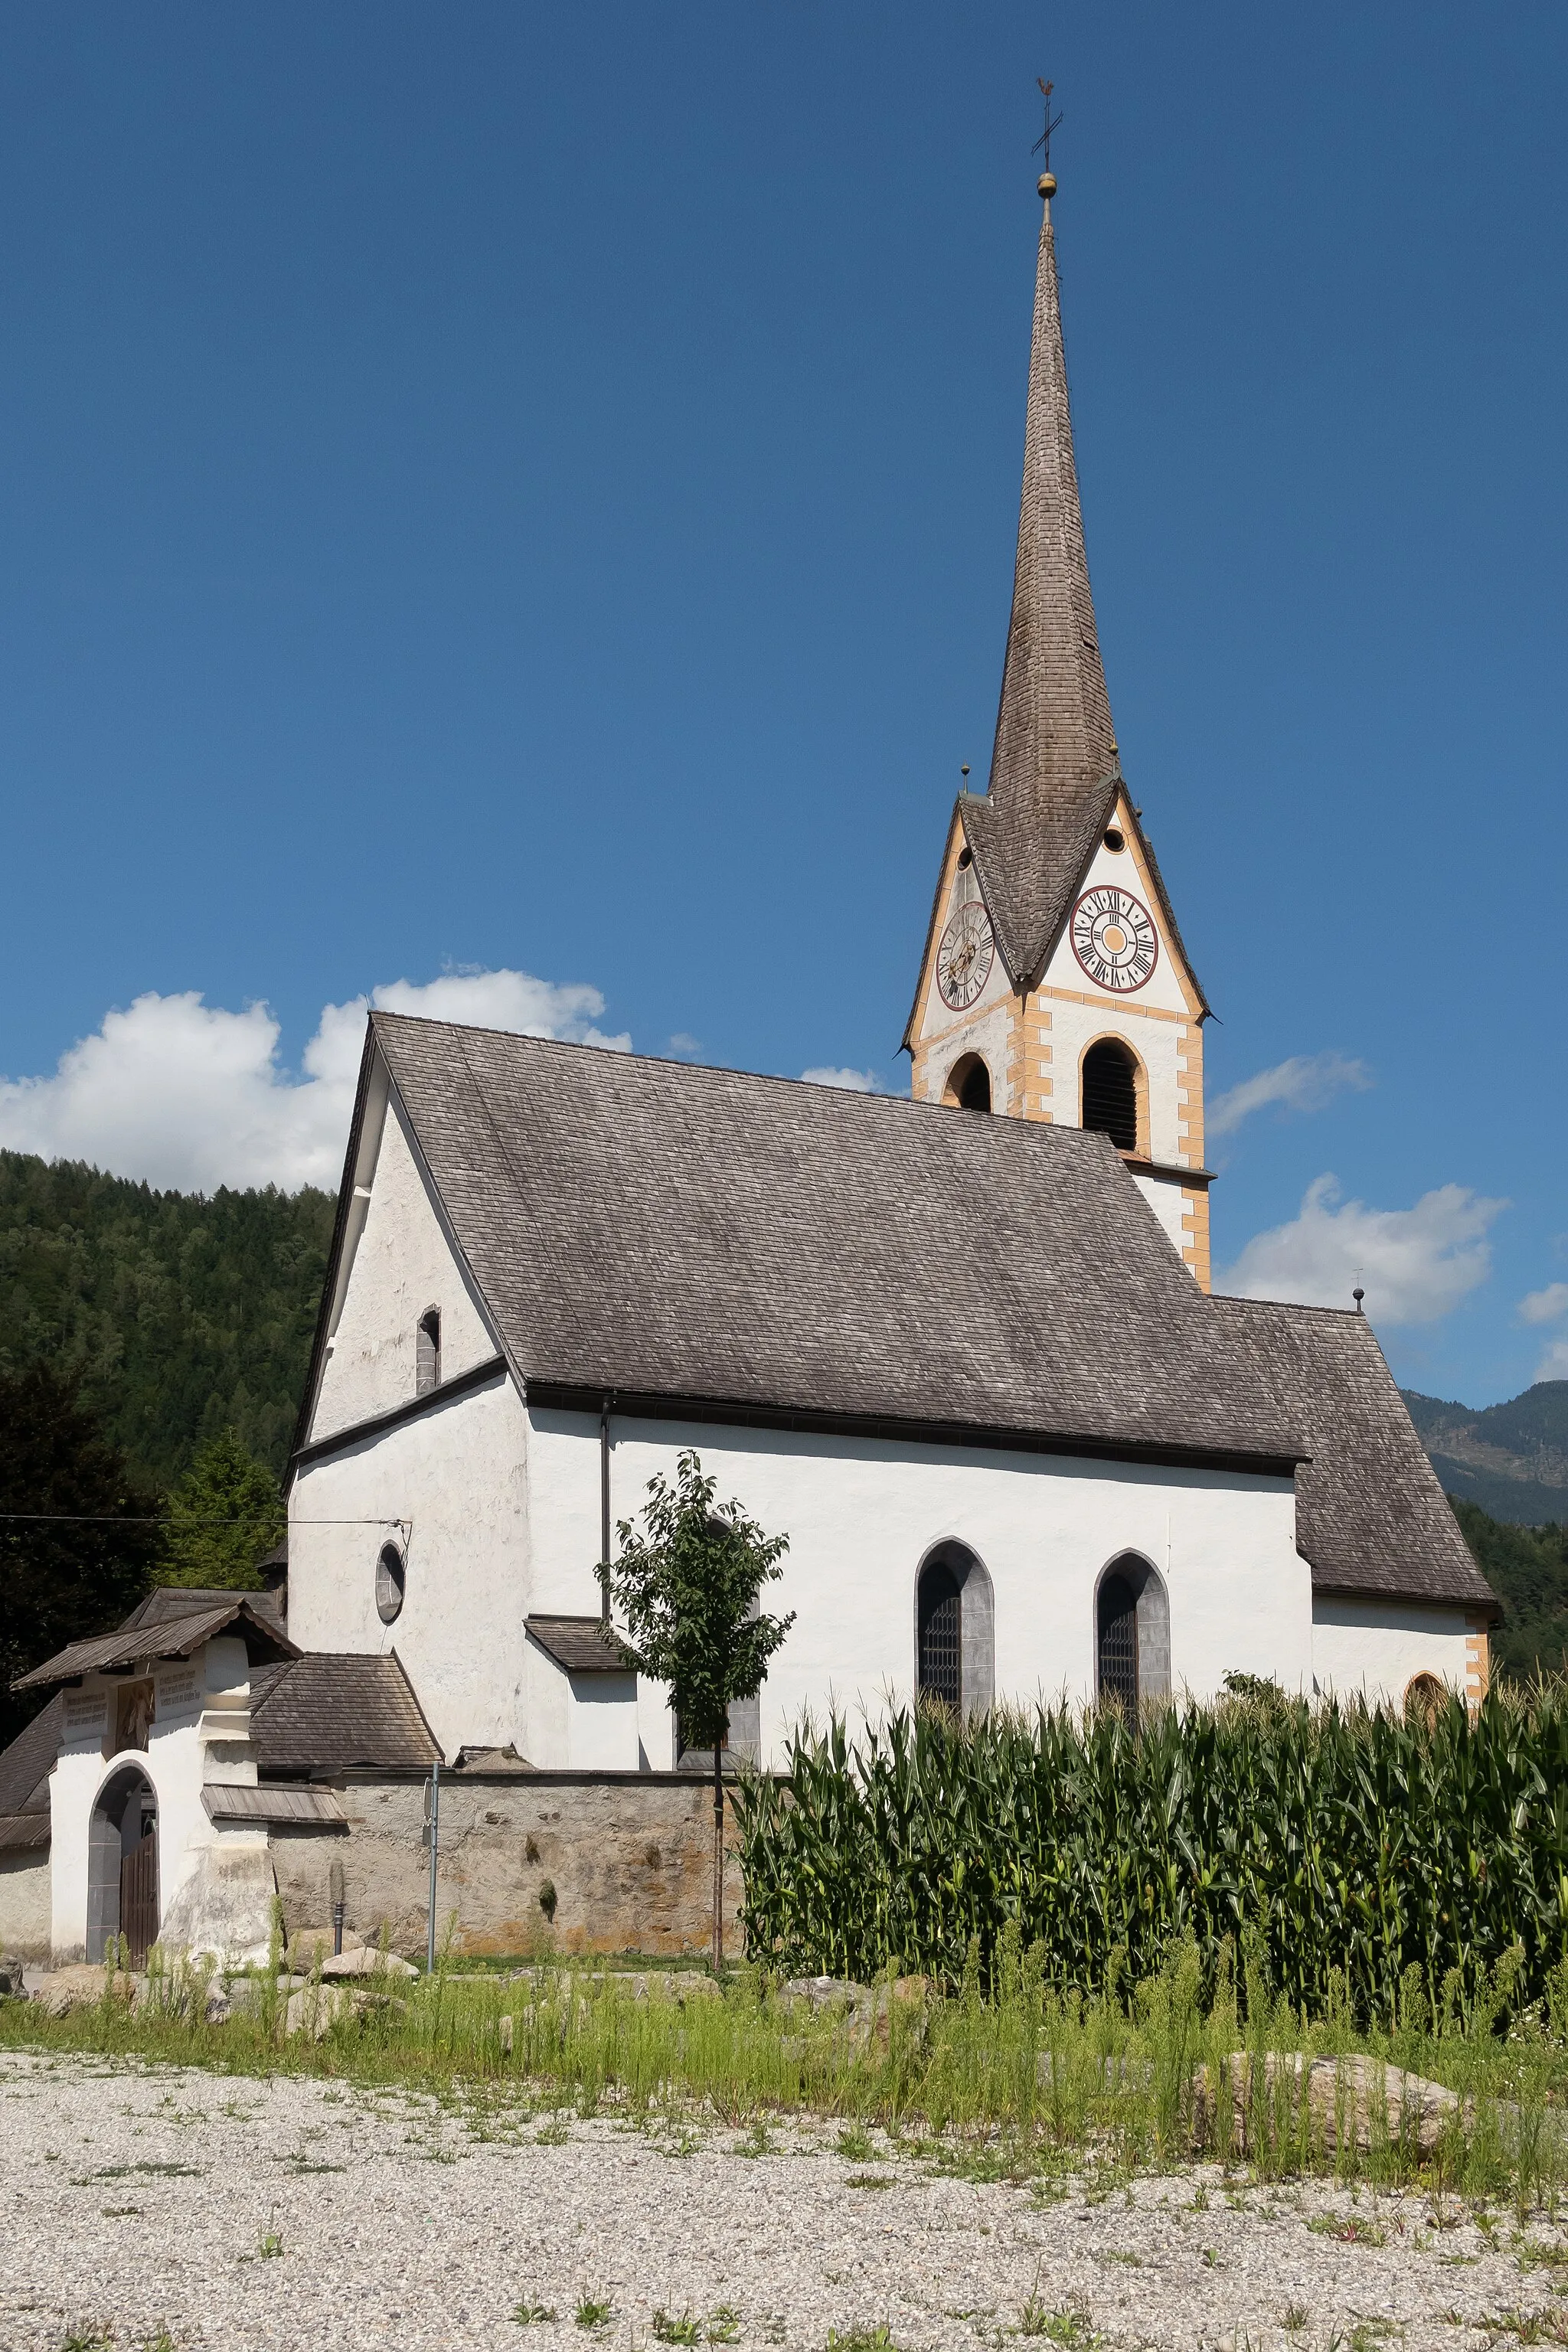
1114, 939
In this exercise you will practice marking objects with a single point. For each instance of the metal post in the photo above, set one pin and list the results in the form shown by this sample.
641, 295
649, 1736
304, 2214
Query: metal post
335, 1881
604, 1505
433, 1804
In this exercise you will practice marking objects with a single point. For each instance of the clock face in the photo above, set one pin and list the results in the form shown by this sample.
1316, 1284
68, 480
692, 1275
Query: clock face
964, 959
1114, 939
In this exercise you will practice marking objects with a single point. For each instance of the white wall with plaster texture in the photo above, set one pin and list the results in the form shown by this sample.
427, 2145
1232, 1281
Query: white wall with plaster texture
1373, 1649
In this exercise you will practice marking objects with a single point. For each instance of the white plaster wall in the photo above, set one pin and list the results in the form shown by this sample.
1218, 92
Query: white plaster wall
1373, 1649
456, 1474
213, 1885
982, 1030
861, 1514
602, 1735
25, 1924
402, 1265
1165, 1200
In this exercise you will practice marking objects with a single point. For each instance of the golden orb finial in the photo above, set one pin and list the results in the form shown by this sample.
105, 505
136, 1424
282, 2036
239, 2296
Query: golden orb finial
1048, 185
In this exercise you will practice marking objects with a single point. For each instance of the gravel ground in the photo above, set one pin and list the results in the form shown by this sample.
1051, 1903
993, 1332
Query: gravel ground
138, 2200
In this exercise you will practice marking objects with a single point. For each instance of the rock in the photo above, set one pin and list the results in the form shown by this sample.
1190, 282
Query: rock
504, 2028
12, 1972
366, 1960
309, 1945
1344, 2097
823, 1993
217, 2007
82, 1986
316, 2008
247, 1994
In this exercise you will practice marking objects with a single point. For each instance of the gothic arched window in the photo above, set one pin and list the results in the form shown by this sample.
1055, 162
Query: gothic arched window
1110, 1092
1132, 1634
427, 1362
939, 1618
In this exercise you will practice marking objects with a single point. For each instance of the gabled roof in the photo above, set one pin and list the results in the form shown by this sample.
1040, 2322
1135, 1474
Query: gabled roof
156, 1628
333, 1711
705, 1237
1371, 1518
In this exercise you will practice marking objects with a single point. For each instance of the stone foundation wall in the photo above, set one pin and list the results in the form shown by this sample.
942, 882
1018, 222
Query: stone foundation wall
629, 1858
26, 1925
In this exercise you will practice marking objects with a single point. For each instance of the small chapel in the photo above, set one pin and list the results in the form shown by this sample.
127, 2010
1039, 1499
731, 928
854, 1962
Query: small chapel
961, 1347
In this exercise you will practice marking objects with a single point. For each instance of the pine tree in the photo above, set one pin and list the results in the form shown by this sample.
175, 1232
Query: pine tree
224, 1516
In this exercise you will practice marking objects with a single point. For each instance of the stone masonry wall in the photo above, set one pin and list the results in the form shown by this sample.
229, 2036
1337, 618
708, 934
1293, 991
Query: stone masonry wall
630, 1861
24, 1904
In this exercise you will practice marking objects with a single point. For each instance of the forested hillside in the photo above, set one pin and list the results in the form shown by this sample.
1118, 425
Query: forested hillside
1510, 1458
184, 1315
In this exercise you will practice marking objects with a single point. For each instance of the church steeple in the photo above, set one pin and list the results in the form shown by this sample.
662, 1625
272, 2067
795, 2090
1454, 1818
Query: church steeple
1054, 985
1054, 767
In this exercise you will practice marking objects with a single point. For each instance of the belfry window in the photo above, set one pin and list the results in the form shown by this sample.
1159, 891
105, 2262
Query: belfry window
969, 1084
1111, 1093
427, 1360
940, 1632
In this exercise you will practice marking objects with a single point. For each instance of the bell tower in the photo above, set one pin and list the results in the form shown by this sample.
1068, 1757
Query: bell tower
1055, 984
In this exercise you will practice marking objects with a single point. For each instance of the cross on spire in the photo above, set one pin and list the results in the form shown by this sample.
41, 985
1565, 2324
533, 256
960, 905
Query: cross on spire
1042, 146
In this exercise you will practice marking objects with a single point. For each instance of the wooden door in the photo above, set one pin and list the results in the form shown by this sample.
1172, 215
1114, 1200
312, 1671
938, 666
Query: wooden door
139, 1898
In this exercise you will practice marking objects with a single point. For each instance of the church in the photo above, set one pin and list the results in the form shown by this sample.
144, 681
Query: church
961, 1348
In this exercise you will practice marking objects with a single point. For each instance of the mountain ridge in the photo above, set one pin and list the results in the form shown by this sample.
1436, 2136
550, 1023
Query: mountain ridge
1509, 1459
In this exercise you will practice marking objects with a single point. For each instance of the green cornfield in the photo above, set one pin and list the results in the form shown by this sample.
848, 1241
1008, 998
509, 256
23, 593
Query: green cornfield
1393, 1871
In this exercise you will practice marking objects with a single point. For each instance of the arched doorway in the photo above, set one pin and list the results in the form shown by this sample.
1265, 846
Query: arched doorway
968, 1084
122, 1867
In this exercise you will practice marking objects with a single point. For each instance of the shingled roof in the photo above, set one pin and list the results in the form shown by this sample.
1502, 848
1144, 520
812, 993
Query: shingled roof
159, 1627
335, 1711
797, 1251
1054, 769
1371, 1517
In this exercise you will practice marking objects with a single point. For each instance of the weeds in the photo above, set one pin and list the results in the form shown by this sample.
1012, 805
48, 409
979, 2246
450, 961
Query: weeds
592, 2314
684, 2330
534, 2314
270, 2245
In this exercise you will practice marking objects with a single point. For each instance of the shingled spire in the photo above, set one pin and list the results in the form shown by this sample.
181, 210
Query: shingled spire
1054, 765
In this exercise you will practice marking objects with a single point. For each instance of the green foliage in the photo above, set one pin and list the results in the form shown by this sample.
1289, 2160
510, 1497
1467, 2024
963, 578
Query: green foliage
687, 1589
1527, 1568
182, 1315
223, 1516
82, 1568
1355, 1863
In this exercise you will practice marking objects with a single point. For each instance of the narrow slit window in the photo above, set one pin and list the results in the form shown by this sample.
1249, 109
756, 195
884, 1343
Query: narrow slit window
427, 1372
391, 1575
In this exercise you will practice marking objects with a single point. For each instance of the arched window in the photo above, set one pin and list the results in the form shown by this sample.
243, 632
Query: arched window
968, 1084
427, 1360
940, 1634
1133, 1633
954, 1640
391, 1575
1425, 1698
1110, 1092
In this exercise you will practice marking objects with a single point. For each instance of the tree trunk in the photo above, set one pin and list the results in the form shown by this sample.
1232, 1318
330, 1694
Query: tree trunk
718, 1859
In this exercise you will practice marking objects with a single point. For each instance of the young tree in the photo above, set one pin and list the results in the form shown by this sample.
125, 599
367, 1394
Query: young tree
687, 1589
224, 1516
77, 1536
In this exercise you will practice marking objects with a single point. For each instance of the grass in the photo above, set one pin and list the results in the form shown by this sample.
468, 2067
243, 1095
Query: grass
591, 2312
1021, 2086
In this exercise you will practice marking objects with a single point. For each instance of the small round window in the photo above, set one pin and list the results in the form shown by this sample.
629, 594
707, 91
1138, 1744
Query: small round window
389, 1579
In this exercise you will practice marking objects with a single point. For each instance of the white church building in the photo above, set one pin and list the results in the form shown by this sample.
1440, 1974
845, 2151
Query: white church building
961, 1348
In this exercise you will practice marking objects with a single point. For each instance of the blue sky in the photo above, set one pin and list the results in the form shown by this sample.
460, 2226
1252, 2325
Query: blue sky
531, 492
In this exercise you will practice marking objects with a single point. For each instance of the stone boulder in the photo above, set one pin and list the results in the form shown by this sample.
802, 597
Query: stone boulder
366, 1960
315, 2008
80, 1984
1355, 2101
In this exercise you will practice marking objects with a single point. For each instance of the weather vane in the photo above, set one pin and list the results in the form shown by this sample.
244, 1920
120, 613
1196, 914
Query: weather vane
1042, 146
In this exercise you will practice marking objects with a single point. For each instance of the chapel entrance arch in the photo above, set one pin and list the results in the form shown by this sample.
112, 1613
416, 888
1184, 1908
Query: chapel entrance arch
122, 1867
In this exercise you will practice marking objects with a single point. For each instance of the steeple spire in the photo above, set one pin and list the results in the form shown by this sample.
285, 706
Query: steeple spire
1054, 765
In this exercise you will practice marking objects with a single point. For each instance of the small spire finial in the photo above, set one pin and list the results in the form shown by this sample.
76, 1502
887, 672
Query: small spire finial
1358, 1294
1042, 147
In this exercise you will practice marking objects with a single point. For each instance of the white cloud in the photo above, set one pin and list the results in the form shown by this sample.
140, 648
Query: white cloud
1306, 1082
683, 1044
855, 1082
1544, 1306
1414, 1264
190, 1097
1553, 1364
